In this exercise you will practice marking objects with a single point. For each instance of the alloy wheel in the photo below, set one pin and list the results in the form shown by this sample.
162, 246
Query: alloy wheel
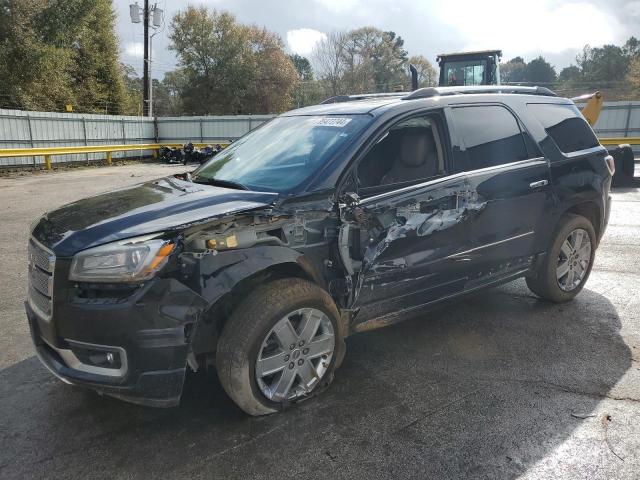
573, 259
295, 355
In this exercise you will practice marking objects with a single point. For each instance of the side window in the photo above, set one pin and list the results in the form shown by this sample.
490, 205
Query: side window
491, 136
565, 125
409, 152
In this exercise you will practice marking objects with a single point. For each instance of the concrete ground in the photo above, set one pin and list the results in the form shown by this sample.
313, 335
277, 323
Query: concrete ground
500, 385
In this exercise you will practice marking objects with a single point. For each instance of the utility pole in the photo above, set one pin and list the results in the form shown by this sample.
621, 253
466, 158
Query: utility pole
146, 103
155, 16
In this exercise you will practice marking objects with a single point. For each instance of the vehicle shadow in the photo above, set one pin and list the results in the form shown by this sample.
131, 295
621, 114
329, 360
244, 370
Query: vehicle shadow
483, 388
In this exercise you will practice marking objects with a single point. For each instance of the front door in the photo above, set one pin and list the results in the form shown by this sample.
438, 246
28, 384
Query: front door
400, 239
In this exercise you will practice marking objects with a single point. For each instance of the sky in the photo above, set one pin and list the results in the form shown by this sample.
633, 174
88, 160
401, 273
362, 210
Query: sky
556, 29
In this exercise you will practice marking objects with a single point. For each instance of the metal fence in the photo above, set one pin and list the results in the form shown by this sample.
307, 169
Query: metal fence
20, 129
619, 119
206, 129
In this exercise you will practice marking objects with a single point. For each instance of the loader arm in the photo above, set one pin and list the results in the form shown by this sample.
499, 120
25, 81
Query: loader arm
591, 111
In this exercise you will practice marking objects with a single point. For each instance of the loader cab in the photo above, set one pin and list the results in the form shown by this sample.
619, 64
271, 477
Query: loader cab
469, 68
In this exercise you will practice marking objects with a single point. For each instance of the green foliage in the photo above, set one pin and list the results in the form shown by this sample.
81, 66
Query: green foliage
537, 71
363, 60
540, 71
570, 74
631, 48
603, 64
513, 71
230, 68
303, 67
633, 76
427, 75
59, 52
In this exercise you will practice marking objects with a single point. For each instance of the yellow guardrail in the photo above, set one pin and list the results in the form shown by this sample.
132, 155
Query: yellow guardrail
48, 152
620, 140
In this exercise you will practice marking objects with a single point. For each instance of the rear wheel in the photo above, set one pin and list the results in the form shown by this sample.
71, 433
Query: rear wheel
567, 266
279, 346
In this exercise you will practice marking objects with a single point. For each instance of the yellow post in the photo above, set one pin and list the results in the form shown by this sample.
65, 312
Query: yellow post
154, 152
108, 158
47, 162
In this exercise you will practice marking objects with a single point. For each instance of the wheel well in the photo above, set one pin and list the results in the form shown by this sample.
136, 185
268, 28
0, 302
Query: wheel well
222, 309
590, 211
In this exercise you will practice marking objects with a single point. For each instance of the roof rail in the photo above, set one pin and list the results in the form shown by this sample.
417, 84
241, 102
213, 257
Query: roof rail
363, 96
429, 92
441, 91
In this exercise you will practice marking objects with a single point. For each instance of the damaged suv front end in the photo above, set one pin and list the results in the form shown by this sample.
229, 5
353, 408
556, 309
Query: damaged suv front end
130, 288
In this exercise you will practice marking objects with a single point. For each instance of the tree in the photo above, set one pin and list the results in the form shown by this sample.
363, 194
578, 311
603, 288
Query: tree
427, 75
363, 60
309, 90
390, 61
570, 73
539, 70
631, 48
168, 100
230, 68
56, 52
633, 76
513, 71
303, 67
603, 64
328, 57
133, 88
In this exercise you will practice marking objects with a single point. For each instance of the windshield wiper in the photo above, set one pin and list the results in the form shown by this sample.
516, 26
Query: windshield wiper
220, 183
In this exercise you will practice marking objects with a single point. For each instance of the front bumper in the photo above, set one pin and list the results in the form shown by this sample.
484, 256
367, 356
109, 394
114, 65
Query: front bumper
148, 337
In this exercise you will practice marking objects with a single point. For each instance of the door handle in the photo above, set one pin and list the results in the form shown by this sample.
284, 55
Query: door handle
539, 183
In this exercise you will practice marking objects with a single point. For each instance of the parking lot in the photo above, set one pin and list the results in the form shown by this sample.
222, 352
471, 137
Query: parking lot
499, 385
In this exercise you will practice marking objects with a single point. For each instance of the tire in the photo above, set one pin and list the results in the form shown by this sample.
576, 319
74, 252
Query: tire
546, 281
256, 327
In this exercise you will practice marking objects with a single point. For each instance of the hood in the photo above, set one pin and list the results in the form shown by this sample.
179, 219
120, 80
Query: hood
156, 206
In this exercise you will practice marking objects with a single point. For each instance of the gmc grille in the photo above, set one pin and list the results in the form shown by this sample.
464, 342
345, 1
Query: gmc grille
41, 267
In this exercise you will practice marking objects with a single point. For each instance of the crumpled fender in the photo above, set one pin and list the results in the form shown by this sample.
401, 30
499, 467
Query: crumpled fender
219, 273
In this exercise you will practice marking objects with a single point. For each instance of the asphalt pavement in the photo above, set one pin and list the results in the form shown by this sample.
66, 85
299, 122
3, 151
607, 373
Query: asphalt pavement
498, 385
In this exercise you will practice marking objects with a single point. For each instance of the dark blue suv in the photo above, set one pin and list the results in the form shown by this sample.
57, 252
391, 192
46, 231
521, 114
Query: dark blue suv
326, 221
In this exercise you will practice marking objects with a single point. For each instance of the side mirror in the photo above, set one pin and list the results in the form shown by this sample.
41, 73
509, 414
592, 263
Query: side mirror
349, 199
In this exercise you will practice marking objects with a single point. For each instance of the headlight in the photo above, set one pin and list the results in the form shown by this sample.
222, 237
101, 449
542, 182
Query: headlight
130, 260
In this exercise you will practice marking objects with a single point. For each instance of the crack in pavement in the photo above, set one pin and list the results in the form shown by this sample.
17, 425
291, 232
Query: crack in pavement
439, 409
570, 390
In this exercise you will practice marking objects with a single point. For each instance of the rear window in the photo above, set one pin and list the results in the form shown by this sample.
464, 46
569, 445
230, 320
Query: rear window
491, 136
565, 125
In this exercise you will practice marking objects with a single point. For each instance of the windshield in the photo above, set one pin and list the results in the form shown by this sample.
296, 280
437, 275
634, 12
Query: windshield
283, 153
470, 72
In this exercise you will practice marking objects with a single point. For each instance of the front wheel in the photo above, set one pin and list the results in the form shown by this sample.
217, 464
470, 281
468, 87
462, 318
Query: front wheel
566, 268
279, 346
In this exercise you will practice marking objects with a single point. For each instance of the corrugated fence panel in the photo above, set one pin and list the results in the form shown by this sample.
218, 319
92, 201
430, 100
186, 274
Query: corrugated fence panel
178, 129
634, 120
51, 129
619, 119
14, 133
19, 129
207, 129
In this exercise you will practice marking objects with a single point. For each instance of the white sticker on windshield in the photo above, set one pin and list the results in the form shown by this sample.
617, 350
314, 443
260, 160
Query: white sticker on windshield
338, 122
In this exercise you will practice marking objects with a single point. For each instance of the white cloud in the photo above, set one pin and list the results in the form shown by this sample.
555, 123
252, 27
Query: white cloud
302, 40
134, 49
522, 28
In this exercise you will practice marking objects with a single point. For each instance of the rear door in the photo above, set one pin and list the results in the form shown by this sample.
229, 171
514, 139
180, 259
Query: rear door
511, 179
576, 157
